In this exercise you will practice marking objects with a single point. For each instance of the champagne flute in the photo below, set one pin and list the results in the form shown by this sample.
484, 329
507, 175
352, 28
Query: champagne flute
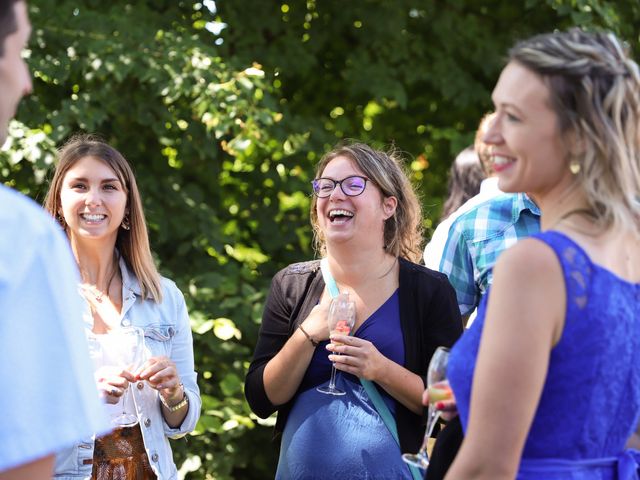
342, 317
95, 349
124, 348
439, 390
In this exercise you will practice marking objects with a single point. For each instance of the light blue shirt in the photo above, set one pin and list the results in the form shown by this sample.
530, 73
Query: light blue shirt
167, 331
435, 248
478, 237
50, 399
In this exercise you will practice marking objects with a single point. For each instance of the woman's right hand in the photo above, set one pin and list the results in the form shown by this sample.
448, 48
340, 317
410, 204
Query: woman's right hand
448, 408
284, 372
112, 382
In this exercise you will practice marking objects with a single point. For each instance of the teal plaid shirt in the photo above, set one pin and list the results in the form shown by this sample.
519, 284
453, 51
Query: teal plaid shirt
478, 237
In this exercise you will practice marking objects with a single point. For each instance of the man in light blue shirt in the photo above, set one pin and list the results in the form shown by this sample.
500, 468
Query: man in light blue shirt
478, 237
50, 400
434, 250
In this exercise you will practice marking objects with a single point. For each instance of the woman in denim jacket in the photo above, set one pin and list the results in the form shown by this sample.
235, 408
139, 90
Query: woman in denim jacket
94, 196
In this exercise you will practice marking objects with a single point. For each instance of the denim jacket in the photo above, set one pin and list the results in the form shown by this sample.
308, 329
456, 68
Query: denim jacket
167, 332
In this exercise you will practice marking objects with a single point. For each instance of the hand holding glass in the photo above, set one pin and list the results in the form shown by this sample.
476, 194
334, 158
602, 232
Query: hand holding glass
439, 390
124, 348
342, 317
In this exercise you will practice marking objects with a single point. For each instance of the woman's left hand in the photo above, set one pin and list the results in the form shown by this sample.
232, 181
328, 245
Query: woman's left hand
448, 408
161, 373
357, 356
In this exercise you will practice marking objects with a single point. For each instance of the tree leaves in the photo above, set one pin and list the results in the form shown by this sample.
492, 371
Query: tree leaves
223, 131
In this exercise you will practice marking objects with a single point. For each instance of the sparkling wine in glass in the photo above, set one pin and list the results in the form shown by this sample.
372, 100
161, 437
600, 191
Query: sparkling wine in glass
342, 317
124, 348
439, 390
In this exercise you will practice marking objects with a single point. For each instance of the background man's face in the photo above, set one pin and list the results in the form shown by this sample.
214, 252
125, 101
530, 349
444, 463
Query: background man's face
15, 81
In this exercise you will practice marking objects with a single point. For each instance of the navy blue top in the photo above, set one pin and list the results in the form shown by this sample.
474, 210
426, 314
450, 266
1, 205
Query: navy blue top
382, 328
344, 437
590, 402
429, 317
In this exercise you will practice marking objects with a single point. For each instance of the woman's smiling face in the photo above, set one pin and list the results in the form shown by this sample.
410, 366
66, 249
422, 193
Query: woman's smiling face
93, 200
527, 148
360, 218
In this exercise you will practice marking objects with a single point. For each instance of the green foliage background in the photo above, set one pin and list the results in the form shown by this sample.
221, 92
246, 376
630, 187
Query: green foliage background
223, 132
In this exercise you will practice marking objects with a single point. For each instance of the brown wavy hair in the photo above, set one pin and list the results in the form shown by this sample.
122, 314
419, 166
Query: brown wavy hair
465, 176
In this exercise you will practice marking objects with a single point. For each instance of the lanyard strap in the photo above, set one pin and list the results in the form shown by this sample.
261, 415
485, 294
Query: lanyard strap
331, 284
369, 387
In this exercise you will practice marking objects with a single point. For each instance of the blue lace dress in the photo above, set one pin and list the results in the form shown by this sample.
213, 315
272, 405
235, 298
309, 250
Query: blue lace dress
590, 402
344, 437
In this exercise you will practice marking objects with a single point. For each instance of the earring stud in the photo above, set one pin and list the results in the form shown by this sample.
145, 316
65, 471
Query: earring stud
574, 166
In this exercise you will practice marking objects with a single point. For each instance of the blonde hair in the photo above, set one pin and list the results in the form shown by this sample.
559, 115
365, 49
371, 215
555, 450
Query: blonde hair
133, 244
483, 149
595, 91
403, 230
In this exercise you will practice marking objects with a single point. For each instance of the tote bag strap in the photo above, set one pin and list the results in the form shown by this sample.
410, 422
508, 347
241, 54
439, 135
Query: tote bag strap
331, 284
369, 387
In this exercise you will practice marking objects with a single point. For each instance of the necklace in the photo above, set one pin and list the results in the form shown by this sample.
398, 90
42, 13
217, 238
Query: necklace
101, 295
576, 211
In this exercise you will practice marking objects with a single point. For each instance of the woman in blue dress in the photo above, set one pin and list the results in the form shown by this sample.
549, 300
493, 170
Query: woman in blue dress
547, 379
367, 219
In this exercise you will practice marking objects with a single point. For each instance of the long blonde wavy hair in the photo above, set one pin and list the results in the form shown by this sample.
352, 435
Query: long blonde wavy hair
595, 92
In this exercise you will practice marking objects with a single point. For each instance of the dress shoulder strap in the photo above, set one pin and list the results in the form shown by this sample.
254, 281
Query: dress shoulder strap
576, 266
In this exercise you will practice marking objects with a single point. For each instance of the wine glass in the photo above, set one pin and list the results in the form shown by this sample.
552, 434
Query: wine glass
439, 390
342, 317
124, 348
96, 353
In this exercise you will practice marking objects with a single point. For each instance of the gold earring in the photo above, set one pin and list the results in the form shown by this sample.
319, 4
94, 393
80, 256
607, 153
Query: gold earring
574, 166
61, 220
125, 222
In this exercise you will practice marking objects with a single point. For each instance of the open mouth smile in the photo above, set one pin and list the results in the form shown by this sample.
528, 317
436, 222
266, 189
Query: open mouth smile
340, 216
93, 217
501, 162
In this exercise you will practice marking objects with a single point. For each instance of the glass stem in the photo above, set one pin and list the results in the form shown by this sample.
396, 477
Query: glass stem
124, 401
431, 422
332, 381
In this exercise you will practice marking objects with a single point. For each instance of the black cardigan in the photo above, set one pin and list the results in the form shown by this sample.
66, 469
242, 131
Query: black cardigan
429, 317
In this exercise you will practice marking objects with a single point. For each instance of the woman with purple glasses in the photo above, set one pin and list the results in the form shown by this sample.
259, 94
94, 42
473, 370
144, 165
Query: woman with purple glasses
367, 224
